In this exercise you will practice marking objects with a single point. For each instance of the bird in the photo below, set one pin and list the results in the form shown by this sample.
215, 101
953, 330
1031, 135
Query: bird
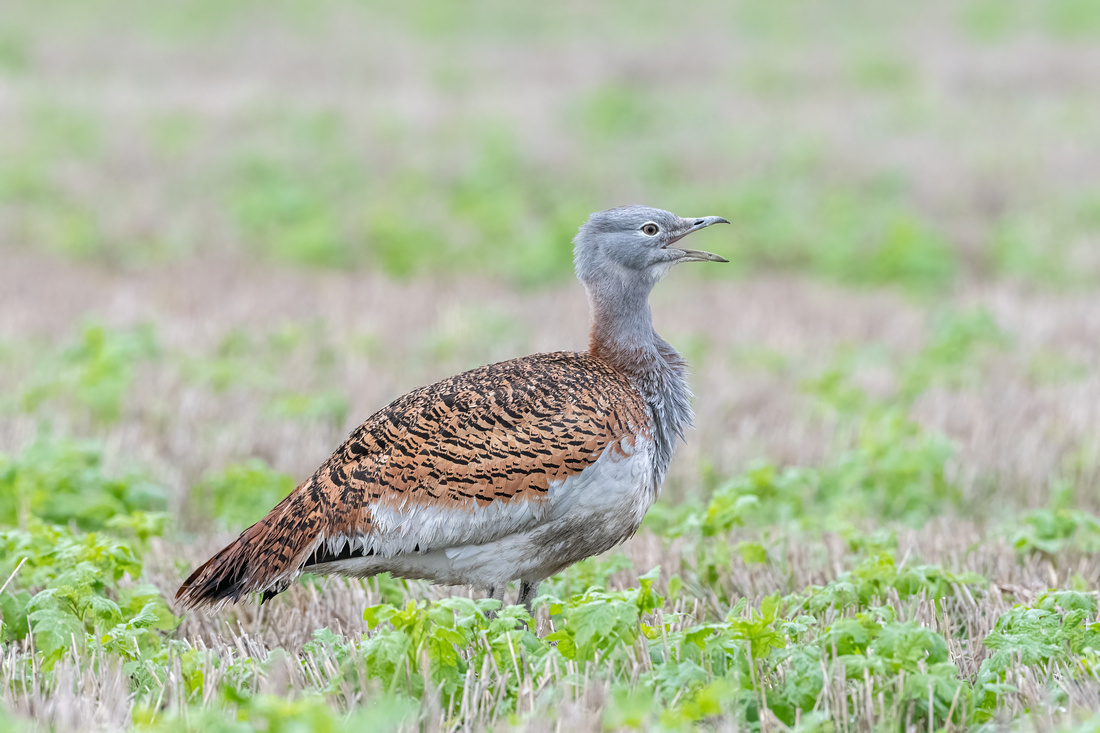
509, 472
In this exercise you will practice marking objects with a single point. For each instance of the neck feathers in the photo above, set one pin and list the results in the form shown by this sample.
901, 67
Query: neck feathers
623, 336
622, 325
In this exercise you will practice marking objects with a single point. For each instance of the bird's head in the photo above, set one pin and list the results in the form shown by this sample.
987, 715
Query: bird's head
633, 244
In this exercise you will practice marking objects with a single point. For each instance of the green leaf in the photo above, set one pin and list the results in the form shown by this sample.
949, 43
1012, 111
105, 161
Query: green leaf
374, 615
104, 611
752, 553
907, 646
13, 608
563, 640
56, 631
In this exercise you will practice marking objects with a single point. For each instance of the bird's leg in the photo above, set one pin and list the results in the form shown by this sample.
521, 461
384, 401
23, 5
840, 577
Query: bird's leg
527, 593
496, 592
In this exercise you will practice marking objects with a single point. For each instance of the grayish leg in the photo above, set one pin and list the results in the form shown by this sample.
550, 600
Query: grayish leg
527, 593
497, 592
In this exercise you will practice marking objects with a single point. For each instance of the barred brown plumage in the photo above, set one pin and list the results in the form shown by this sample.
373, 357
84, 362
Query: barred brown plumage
511, 471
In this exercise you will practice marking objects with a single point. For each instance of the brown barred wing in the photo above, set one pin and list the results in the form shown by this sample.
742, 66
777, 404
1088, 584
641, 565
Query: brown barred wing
464, 461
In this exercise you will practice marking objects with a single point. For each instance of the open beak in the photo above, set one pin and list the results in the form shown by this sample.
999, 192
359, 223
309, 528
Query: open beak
695, 255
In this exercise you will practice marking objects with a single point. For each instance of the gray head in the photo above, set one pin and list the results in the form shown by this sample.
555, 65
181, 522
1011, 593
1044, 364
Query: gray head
620, 255
635, 246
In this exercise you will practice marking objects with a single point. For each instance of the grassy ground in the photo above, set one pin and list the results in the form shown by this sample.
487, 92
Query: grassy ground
230, 231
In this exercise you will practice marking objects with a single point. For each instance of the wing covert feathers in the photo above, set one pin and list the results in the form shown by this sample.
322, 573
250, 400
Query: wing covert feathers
463, 461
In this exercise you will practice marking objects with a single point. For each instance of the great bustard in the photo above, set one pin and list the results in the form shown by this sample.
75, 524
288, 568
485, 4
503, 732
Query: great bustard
512, 471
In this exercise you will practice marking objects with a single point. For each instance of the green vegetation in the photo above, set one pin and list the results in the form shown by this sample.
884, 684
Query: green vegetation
241, 494
68, 594
887, 636
867, 237
63, 481
94, 373
861, 642
495, 186
231, 230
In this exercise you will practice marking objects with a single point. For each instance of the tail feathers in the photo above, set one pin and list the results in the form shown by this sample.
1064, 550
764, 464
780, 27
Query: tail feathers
244, 566
264, 559
307, 527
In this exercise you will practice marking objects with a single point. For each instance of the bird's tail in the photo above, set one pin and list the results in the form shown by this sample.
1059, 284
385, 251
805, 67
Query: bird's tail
264, 559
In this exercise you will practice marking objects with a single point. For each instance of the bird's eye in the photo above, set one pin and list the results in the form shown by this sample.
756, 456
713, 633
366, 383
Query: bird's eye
650, 229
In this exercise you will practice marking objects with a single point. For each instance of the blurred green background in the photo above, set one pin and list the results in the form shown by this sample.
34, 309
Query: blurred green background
863, 142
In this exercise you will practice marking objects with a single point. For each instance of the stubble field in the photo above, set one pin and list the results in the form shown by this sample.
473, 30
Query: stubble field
231, 231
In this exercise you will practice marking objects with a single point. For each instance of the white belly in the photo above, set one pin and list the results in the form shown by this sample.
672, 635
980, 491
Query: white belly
587, 514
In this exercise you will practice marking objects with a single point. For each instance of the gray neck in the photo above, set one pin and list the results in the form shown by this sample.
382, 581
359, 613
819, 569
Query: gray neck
623, 335
622, 325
